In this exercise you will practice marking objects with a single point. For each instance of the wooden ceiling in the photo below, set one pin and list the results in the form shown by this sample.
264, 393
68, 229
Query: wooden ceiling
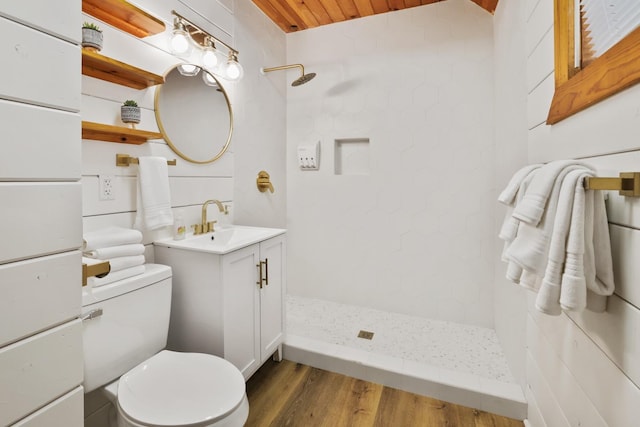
296, 15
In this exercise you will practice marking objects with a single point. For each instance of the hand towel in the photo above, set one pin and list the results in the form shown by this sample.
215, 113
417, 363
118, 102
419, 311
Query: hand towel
116, 251
508, 195
548, 298
573, 289
153, 198
121, 263
509, 228
110, 236
531, 208
115, 276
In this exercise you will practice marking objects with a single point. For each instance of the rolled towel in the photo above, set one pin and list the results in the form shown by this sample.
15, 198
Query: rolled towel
531, 208
124, 262
153, 196
115, 276
116, 251
110, 236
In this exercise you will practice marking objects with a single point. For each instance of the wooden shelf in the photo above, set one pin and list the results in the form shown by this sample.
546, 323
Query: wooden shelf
100, 132
125, 16
112, 70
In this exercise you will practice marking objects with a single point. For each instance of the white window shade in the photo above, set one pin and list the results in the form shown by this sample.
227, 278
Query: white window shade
606, 22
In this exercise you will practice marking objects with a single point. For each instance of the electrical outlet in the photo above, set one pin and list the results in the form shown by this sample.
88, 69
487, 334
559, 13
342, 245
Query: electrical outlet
107, 187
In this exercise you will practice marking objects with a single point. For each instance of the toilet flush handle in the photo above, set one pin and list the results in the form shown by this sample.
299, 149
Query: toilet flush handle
92, 314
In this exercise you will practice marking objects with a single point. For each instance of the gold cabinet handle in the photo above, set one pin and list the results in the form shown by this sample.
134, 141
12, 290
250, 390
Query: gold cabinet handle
266, 271
263, 279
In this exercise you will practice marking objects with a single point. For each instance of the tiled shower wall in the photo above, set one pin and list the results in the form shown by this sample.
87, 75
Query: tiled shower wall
413, 232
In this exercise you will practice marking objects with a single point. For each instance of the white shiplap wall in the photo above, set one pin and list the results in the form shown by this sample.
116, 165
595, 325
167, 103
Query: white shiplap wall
584, 369
190, 184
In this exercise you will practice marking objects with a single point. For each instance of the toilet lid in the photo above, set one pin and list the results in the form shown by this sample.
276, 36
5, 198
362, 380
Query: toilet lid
172, 389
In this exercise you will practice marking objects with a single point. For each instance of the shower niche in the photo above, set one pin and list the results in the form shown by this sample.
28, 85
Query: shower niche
352, 156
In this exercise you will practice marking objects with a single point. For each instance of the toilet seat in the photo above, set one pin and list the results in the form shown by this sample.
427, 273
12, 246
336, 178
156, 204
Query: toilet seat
181, 389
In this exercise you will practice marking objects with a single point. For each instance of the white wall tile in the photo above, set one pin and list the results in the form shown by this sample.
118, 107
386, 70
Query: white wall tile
391, 240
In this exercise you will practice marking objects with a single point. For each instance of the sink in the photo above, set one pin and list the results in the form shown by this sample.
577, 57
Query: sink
224, 240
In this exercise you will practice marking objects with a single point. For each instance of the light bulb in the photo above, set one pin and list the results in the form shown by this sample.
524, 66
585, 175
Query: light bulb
188, 70
234, 70
209, 58
180, 38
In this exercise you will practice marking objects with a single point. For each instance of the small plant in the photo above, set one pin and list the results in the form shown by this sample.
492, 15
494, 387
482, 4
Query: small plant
91, 26
130, 112
130, 103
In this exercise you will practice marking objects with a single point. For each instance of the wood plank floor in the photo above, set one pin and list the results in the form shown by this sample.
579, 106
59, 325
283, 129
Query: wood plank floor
291, 394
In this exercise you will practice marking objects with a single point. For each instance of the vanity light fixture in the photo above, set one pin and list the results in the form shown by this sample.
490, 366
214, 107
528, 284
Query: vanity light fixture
186, 34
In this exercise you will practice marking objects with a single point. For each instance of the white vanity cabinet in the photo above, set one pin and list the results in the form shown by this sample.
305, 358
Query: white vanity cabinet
221, 306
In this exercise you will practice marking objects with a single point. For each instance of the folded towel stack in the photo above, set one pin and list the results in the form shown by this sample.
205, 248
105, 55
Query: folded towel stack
122, 247
557, 237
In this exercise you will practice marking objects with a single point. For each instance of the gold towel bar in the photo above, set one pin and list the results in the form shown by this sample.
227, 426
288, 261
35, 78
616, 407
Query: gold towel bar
628, 184
99, 270
126, 160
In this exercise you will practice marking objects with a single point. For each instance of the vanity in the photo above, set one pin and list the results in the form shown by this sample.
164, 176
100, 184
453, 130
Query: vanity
228, 293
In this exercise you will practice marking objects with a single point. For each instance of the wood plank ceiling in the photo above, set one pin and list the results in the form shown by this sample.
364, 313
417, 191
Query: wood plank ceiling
296, 15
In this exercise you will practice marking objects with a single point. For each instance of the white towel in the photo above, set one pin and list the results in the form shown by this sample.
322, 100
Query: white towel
115, 276
548, 299
508, 195
110, 236
116, 251
531, 246
531, 208
153, 198
573, 290
124, 262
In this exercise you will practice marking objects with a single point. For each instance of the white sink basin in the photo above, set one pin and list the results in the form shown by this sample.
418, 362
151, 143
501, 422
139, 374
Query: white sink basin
224, 240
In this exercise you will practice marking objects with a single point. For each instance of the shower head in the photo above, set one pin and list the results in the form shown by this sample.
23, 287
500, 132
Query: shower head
304, 78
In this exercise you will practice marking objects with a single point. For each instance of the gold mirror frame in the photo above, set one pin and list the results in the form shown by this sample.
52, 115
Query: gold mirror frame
577, 89
163, 131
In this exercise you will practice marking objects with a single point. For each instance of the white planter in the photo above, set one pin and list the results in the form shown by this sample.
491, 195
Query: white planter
130, 114
91, 39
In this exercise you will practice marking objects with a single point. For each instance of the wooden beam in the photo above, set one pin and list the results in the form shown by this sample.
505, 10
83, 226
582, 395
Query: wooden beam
488, 5
365, 8
380, 6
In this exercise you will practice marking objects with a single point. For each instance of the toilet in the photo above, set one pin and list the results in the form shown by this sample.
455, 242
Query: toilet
125, 327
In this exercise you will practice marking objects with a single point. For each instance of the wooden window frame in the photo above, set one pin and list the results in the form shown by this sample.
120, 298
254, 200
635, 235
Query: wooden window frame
577, 89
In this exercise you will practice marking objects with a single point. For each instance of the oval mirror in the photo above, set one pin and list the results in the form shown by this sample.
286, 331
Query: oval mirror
194, 114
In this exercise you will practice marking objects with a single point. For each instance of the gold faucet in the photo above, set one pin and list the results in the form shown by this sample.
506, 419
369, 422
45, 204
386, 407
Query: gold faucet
207, 226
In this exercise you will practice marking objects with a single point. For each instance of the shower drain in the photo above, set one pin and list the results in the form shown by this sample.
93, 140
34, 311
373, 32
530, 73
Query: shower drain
365, 334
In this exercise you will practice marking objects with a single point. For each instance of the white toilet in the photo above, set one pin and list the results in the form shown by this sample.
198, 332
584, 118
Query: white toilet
124, 333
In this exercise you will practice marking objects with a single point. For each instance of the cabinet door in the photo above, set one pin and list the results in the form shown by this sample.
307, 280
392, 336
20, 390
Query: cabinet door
272, 296
242, 309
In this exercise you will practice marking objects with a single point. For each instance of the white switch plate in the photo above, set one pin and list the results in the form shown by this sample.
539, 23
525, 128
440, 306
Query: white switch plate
107, 187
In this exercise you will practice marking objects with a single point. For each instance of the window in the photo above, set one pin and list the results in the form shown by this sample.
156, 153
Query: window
597, 62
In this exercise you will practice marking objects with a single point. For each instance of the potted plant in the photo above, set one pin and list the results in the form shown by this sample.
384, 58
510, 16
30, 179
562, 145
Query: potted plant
91, 37
130, 112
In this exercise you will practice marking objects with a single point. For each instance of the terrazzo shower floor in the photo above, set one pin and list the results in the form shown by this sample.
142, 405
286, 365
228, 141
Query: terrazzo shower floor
458, 363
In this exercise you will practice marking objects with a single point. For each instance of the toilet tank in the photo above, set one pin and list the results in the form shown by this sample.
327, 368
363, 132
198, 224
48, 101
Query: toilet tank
133, 325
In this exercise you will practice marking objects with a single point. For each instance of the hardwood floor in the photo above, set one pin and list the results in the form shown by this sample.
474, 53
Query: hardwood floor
291, 394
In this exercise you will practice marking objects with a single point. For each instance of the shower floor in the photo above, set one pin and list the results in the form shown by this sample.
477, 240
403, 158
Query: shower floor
458, 363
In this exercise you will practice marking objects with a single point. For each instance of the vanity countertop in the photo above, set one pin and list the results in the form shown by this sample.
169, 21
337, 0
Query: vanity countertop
226, 239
